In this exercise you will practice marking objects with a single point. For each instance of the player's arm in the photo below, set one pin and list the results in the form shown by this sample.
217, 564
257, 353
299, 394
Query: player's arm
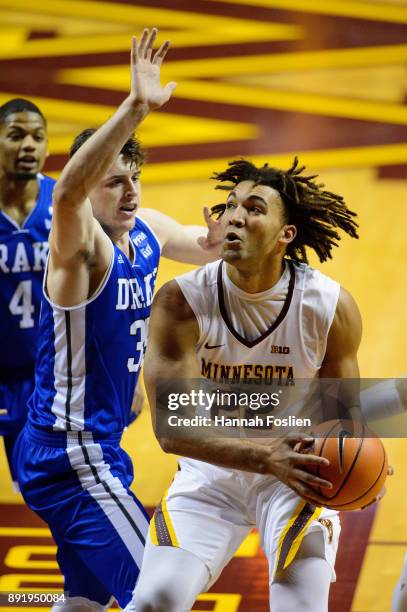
171, 355
384, 399
80, 249
340, 361
194, 244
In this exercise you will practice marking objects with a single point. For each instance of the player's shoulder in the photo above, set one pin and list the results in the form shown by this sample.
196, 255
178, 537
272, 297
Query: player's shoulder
47, 183
310, 278
46, 188
171, 300
143, 230
201, 278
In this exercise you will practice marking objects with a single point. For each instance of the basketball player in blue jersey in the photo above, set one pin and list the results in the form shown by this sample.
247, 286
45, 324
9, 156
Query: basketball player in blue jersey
263, 315
25, 221
98, 291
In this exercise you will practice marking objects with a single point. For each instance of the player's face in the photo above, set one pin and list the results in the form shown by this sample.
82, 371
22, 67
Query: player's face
254, 224
23, 145
116, 199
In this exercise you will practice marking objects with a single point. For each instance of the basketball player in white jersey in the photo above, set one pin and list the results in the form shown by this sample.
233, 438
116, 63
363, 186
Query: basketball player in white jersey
232, 314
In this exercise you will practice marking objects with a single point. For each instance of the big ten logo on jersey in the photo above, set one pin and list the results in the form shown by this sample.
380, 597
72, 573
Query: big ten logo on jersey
141, 242
24, 257
281, 350
131, 294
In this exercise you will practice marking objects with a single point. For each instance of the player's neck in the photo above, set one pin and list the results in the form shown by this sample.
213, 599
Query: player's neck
257, 277
123, 242
17, 198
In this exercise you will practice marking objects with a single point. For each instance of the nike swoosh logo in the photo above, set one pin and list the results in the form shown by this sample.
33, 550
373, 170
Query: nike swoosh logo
343, 434
212, 346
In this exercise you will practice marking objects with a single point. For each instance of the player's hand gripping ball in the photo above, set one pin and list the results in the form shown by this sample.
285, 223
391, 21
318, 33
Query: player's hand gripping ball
357, 464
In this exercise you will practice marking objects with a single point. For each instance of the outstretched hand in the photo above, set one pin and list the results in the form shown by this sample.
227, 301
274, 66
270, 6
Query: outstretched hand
214, 237
146, 88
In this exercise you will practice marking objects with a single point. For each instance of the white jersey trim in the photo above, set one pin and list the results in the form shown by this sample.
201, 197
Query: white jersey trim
96, 478
21, 227
68, 404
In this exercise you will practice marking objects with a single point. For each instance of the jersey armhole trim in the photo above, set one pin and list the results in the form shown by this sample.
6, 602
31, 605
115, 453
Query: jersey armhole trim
85, 303
197, 317
152, 232
329, 321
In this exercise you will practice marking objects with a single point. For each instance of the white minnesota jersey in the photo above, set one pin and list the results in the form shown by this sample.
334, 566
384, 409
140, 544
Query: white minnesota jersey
292, 347
223, 503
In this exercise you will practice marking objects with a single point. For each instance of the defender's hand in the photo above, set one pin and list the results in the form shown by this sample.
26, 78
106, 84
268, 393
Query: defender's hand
146, 89
214, 237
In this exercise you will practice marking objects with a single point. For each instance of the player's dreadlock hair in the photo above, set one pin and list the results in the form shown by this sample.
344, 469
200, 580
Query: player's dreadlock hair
131, 149
315, 213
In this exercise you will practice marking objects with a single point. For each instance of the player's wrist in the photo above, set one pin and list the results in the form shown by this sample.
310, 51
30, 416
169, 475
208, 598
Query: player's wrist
137, 109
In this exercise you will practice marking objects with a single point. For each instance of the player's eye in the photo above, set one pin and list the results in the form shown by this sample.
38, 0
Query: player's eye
14, 136
135, 177
230, 205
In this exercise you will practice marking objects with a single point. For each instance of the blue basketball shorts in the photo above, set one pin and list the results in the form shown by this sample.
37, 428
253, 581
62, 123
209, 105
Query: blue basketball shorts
80, 486
14, 396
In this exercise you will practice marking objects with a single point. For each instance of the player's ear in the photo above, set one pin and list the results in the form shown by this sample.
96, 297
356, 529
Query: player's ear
288, 233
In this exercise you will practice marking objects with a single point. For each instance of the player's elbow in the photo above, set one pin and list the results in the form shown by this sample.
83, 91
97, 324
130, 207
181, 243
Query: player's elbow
61, 195
64, 195
167, 445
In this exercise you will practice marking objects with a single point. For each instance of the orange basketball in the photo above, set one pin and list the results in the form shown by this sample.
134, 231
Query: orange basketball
357, 464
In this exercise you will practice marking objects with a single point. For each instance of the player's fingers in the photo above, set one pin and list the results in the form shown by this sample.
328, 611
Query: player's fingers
311, 479
307, 493
134, 51
169, 88
206, 215
298, 435
305, 446
150, 44
142, 45
203, 243
161, 53
307, 459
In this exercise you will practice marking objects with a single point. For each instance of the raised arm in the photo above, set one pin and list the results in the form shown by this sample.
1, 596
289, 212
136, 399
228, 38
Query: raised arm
80, 249
194, 244
171, 355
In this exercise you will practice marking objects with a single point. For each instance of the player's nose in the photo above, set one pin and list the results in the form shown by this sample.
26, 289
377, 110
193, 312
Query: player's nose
237, 218
28, 143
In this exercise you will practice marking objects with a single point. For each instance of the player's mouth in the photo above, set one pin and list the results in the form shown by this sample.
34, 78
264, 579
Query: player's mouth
232, 239
128, 210
27, 163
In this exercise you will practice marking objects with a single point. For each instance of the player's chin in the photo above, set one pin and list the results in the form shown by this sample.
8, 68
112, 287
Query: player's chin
25, 176
232, 255
126, 224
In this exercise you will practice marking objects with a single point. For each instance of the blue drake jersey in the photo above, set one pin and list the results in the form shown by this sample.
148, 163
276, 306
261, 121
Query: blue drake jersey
23, 255
90, 355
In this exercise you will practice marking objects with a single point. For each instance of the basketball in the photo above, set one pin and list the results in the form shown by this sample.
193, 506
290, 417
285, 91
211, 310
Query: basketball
357, 464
